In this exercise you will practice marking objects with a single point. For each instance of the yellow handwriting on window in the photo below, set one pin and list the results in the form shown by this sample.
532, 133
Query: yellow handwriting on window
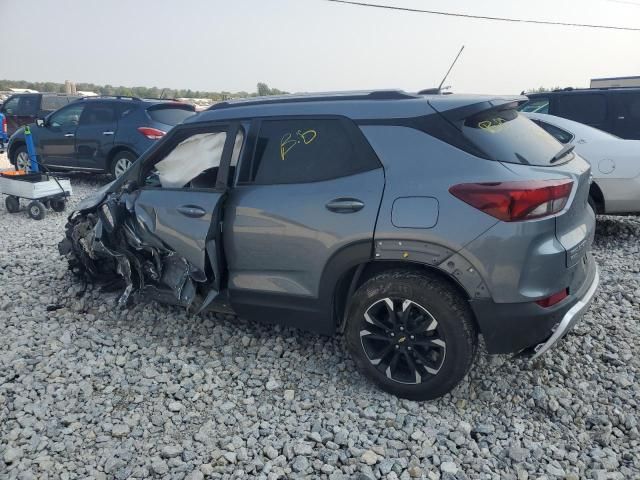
288, 141
492, 125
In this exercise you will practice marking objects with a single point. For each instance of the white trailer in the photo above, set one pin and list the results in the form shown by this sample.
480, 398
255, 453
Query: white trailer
44, 191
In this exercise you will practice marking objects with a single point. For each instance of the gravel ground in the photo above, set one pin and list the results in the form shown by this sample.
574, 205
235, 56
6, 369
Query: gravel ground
90, 392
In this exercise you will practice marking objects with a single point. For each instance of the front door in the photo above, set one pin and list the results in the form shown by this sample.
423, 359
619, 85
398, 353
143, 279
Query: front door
95, 135
181, 200
55, 141
302, 211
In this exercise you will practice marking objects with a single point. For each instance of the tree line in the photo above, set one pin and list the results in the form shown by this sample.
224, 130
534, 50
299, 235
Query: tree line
262, 89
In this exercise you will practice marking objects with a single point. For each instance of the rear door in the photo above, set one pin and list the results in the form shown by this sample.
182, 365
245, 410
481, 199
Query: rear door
303, 210
95, 135
626, 115
588, 108
181, 200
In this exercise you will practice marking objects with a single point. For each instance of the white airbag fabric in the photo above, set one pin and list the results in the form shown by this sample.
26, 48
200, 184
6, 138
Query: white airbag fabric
190, 158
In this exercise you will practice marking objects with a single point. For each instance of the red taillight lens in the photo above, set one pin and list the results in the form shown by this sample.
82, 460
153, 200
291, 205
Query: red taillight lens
4, 124
553, 299
516, 201
151, 133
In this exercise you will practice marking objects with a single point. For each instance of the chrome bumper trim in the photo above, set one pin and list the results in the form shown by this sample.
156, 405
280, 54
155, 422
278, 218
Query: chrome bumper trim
569, 318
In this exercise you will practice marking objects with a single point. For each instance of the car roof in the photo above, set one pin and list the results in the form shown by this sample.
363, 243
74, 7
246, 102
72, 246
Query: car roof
578, 91
367, 104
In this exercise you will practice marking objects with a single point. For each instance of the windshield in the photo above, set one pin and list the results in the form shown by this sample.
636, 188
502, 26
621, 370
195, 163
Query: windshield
507, 136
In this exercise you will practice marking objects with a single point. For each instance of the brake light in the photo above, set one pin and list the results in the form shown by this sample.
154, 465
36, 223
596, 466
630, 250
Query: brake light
151, 133
553, 299
4, 124
516, 201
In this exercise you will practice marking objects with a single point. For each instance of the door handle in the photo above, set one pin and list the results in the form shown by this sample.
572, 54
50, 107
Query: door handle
345, 205
69, 134
107, 133
192, 211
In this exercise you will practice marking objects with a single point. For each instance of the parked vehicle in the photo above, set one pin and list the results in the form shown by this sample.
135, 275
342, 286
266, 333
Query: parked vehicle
409, 222
615, 162
613, 110
99, 134
4, 138
25, 108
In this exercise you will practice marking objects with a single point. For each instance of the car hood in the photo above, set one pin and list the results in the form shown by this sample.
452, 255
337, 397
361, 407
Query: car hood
93, 200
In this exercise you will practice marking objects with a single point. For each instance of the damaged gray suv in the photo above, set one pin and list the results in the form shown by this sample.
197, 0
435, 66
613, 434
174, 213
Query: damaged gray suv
410, 223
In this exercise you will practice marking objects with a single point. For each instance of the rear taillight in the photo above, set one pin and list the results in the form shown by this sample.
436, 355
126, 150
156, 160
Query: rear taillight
553, 299
516, 201
4, 124
151, 133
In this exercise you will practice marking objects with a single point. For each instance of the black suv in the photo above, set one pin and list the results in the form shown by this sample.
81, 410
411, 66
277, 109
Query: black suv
614, 110
98, 134
24, 108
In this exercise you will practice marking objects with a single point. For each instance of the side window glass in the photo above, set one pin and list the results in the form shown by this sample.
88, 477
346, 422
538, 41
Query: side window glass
307, 150
67, 117
29, 105
98, 114
11, 106
588, 108
561, 135
51, 102
192, 163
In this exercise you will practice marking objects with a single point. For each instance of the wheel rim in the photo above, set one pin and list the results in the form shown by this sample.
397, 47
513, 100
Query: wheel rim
34, 210
402, 340
121, 166
22, 160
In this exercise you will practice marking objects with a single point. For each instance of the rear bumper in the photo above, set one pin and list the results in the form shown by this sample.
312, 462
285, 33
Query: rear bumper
514, 327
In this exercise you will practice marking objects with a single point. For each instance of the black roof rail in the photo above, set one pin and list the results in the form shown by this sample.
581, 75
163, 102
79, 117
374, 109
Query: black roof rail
330, 97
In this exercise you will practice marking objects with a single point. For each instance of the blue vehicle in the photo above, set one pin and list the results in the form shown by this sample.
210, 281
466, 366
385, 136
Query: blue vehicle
98, 134
4, 138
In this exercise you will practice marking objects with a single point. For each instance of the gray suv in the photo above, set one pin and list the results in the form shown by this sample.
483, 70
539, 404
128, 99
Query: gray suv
410, 223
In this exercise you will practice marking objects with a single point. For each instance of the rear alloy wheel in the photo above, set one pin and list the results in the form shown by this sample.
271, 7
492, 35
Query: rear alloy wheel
21, 159
121, 163
412, 334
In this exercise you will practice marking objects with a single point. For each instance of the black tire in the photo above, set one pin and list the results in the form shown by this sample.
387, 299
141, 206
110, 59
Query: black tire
58, 205
452, 343
12, 204
593, 205
36, 210
21, 150
124, 156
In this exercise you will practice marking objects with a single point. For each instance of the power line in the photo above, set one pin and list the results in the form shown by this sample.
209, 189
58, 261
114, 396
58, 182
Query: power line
484, 17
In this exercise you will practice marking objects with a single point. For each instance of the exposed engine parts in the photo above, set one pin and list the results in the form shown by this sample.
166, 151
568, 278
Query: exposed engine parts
111, 245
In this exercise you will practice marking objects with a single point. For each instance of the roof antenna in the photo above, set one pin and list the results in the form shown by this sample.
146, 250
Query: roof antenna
449, 71
438, 91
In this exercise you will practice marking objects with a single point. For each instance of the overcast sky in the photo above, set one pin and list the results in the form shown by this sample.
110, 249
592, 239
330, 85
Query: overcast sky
314, 45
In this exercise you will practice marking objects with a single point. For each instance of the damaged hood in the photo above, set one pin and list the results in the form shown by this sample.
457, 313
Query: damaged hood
98, 196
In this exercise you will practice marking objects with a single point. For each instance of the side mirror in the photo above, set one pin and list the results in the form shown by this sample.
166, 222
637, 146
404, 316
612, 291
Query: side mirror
40, 122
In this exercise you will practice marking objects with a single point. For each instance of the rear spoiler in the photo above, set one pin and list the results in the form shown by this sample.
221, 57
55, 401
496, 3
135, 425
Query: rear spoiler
458, 114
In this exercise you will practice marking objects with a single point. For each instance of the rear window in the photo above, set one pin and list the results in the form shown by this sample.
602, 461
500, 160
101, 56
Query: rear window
536, 105
170, 114
507, 136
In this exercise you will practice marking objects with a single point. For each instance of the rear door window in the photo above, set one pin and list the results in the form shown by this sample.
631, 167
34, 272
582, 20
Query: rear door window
98, 114
170, 114
10, 107
307, 150
589, 108
507, 136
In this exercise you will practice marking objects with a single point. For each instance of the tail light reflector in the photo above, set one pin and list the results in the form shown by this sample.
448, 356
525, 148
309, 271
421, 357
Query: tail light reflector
516, 201
553, 299
151, 133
